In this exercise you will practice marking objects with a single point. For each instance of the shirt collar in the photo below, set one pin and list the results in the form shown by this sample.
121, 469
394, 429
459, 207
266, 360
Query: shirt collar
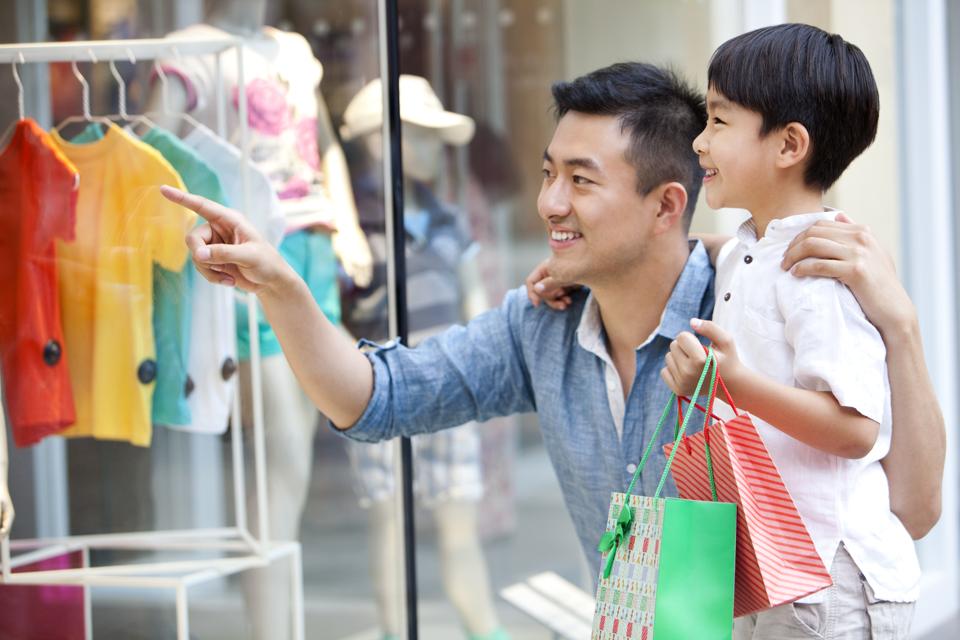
685, 303
783, 229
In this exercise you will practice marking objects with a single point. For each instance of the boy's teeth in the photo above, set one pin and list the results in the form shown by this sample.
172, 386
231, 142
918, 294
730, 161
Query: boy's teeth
563, 236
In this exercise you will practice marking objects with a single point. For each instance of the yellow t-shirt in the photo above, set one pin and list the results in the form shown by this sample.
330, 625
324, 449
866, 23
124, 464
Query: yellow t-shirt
124, 225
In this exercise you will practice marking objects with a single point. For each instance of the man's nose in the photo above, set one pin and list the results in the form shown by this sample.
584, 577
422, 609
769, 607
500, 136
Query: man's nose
554, 200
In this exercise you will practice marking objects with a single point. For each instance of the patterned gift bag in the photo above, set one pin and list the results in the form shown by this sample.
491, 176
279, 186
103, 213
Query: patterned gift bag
668, 563
776, 560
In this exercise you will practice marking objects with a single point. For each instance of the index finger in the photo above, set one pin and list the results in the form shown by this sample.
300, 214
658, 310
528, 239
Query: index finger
206, 209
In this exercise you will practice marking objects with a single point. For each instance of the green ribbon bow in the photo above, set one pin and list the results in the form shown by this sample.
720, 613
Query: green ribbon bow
611, 540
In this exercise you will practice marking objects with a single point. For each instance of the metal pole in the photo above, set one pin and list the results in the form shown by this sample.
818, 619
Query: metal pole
396, 272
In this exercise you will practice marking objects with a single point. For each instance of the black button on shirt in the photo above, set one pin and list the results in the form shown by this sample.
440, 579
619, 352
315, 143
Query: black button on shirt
748, 259
726, 297
147, 371
228, 368
52, 353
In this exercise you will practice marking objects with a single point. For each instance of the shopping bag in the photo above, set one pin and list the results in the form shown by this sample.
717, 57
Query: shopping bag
667, 568
777, 562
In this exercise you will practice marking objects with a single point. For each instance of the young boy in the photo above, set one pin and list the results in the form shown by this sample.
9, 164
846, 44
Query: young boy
789, 107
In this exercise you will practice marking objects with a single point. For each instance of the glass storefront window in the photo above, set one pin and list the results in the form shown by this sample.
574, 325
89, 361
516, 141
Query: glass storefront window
476, 75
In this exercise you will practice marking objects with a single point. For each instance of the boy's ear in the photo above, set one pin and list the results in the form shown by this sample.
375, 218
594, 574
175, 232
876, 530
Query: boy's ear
795, 145
672, 198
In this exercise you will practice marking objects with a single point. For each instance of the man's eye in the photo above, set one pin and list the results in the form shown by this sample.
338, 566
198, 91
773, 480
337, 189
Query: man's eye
718, 121
581, 180
546, 174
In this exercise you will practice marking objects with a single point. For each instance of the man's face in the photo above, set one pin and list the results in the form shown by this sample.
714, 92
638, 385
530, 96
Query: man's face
598, 225
738, 161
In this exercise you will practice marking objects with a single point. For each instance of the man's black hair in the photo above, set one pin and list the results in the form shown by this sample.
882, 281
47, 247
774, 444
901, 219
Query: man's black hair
799, 73
661, 112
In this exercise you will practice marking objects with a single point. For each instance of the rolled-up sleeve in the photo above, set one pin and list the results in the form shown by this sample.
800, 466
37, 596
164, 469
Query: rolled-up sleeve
472, 372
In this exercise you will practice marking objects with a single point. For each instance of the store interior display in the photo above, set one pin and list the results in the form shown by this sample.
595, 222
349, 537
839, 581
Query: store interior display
98, 317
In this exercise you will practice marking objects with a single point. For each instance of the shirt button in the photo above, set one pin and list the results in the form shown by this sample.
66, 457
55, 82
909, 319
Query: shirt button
631, 468
52, 353
748, 259
188, 387
228, 368
726, 297
147, 371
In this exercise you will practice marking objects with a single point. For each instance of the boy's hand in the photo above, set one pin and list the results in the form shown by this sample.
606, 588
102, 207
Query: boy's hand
227, 249
542, 287
686, 359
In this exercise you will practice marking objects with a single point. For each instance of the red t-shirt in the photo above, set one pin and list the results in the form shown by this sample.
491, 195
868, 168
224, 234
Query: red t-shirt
38, 189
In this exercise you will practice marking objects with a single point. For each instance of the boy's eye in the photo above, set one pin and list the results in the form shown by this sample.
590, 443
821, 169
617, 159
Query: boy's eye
718, 121
546, 173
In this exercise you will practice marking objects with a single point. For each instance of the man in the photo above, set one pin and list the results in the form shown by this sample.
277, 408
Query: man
619, 187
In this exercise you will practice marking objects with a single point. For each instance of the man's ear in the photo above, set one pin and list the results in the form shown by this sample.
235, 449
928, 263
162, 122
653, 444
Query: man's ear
795, 145
672, 198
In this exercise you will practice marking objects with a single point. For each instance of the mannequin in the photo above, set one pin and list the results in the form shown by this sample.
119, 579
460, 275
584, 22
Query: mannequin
447, 464
322, 221
6, 502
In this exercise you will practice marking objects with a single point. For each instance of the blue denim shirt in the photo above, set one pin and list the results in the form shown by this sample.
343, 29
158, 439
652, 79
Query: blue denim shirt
519, 358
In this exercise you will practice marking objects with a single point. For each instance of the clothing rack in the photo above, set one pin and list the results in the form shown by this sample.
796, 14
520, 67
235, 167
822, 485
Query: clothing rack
255, 551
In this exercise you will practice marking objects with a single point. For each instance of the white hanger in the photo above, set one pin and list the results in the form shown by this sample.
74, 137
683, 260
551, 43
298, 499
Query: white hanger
20, 109
122, 98
86, 117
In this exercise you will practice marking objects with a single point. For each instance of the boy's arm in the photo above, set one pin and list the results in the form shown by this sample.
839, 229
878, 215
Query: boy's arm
914, 465
227, 250
812, 417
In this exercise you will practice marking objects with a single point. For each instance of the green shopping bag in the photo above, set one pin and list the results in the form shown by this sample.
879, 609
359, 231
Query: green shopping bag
668, 564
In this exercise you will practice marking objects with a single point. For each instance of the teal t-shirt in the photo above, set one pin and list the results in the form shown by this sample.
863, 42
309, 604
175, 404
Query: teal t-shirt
172, 290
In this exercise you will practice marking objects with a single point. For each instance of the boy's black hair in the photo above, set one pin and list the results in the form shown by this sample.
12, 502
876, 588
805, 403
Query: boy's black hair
662, 113
799, 73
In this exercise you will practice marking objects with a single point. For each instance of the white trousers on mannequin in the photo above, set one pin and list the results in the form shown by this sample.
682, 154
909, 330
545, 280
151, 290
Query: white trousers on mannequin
290, 423
462, 564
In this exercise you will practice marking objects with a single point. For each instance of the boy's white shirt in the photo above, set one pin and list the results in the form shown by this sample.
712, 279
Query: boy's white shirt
811, 333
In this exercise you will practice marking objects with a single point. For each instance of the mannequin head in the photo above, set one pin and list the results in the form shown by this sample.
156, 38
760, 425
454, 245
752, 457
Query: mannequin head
427, 126
241, 17
422, 151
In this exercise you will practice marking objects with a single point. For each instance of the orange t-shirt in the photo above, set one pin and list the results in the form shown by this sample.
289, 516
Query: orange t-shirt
38, 189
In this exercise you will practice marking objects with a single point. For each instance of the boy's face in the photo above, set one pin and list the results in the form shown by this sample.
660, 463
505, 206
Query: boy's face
598, 225
739, 163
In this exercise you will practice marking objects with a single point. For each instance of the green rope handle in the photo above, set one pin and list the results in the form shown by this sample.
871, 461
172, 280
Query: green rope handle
611, 540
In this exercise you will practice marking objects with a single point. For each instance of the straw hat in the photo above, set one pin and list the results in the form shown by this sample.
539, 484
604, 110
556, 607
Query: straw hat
419, 105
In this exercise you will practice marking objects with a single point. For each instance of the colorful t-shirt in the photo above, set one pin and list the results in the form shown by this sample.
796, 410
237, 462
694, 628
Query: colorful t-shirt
38, 189
173, 290
124, 226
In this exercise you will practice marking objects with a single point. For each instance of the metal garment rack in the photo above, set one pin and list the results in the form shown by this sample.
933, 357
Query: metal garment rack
250, 552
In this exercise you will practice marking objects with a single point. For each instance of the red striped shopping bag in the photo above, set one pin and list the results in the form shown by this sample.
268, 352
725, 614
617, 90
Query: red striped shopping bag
776, 560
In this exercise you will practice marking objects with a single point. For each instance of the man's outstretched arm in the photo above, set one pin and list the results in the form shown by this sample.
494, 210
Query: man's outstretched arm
914, 465
227, 250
